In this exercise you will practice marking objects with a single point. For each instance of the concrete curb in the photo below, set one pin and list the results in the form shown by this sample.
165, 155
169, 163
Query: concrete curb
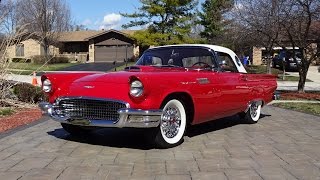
293, 101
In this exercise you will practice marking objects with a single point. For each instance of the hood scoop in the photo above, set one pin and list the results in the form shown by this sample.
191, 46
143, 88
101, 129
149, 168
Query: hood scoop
133, 69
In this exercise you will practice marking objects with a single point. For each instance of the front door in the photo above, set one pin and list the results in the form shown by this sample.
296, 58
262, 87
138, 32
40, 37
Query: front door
232, 84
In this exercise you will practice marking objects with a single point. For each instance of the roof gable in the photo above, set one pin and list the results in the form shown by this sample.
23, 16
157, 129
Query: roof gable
79, 36
106, 32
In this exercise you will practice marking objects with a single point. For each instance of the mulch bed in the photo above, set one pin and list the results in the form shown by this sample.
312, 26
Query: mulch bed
22, 116
315, 96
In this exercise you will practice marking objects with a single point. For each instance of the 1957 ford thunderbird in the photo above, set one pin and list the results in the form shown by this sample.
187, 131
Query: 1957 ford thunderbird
169, 88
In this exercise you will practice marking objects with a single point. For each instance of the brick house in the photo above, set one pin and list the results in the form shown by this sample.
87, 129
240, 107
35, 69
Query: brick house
259, 53
92, 46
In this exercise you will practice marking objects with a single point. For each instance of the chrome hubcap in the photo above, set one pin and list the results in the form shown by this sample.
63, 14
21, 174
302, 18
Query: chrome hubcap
170, 122
253, 110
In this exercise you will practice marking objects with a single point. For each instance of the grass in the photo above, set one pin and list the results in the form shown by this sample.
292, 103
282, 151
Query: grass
310, 108
6, 111
24, 72
290, 78
38, 67
262, 69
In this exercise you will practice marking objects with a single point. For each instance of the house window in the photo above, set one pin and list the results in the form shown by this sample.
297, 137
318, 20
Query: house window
20, 50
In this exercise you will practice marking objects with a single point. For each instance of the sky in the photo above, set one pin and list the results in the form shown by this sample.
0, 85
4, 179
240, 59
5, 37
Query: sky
102, 14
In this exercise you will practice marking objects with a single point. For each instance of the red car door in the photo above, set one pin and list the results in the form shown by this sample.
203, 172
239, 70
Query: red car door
232, 84
207, 97
234, 92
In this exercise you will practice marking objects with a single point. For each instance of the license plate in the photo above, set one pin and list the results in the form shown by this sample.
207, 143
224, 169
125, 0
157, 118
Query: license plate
82, 122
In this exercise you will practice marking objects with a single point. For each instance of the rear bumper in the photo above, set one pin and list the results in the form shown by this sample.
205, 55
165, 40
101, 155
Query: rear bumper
134, 118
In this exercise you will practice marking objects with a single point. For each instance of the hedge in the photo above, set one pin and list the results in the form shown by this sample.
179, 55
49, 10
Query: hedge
39, 59
29, 93
21, 60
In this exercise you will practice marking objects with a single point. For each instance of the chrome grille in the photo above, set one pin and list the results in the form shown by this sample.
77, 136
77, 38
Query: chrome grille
90, 109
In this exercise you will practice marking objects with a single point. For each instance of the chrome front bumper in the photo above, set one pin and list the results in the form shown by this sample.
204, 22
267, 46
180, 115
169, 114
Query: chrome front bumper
135, 118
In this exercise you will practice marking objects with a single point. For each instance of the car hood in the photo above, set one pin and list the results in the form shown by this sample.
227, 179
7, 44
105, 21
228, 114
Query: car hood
124, 76
116, 77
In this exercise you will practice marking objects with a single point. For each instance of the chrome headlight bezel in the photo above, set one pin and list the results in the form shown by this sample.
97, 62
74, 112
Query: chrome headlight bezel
46, 85
136, 88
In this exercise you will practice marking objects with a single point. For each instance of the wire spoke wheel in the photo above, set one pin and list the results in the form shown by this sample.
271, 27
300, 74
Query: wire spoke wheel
172, 125
254, 112
171, 121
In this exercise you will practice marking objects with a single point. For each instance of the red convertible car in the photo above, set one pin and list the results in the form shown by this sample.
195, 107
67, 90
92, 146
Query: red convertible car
169, 88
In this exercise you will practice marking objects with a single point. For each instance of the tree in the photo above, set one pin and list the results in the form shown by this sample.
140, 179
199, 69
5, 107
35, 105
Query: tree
211, 18
169, 20
259, 20
9, 19
300, 22
145, 39
7, 38
283, 23
46, 18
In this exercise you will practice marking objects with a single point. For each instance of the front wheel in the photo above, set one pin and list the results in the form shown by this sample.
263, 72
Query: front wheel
172, 125
253, 114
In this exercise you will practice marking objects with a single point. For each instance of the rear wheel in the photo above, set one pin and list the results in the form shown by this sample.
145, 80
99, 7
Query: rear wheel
253, 114
172, 125
76, 130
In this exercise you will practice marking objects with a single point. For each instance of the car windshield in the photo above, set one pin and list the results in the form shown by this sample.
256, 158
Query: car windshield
178, 57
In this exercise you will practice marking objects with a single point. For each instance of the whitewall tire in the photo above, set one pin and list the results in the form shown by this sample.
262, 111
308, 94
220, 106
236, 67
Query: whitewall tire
172, 125
254, 112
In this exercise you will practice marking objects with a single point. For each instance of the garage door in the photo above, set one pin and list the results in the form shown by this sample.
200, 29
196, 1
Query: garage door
112, 53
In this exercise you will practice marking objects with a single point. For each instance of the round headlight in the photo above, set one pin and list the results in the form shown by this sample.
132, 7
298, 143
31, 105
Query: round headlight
46, 86
136, 88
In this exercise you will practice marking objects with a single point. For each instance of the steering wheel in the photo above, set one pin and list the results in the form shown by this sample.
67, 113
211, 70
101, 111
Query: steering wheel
205, 65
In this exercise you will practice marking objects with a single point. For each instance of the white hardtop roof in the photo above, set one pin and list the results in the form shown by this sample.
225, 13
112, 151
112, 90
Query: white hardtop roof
217, 48
213, 47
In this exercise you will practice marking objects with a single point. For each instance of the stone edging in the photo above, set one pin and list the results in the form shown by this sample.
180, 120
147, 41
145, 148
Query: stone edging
293, 101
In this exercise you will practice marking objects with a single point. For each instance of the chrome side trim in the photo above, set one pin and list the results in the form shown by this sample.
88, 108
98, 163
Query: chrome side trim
135, 118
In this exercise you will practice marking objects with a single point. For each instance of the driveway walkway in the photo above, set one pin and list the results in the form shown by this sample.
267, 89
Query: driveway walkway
313, 75
283, 145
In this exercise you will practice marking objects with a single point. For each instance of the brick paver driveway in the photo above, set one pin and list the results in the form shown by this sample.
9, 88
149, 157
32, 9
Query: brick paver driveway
283, 145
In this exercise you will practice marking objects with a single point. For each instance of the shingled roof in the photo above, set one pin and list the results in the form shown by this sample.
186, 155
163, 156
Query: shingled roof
75, 36
78, 36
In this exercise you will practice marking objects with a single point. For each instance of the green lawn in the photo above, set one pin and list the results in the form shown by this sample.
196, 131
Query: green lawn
39, 67
310, 108
290, 78
262, 69
6, 111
